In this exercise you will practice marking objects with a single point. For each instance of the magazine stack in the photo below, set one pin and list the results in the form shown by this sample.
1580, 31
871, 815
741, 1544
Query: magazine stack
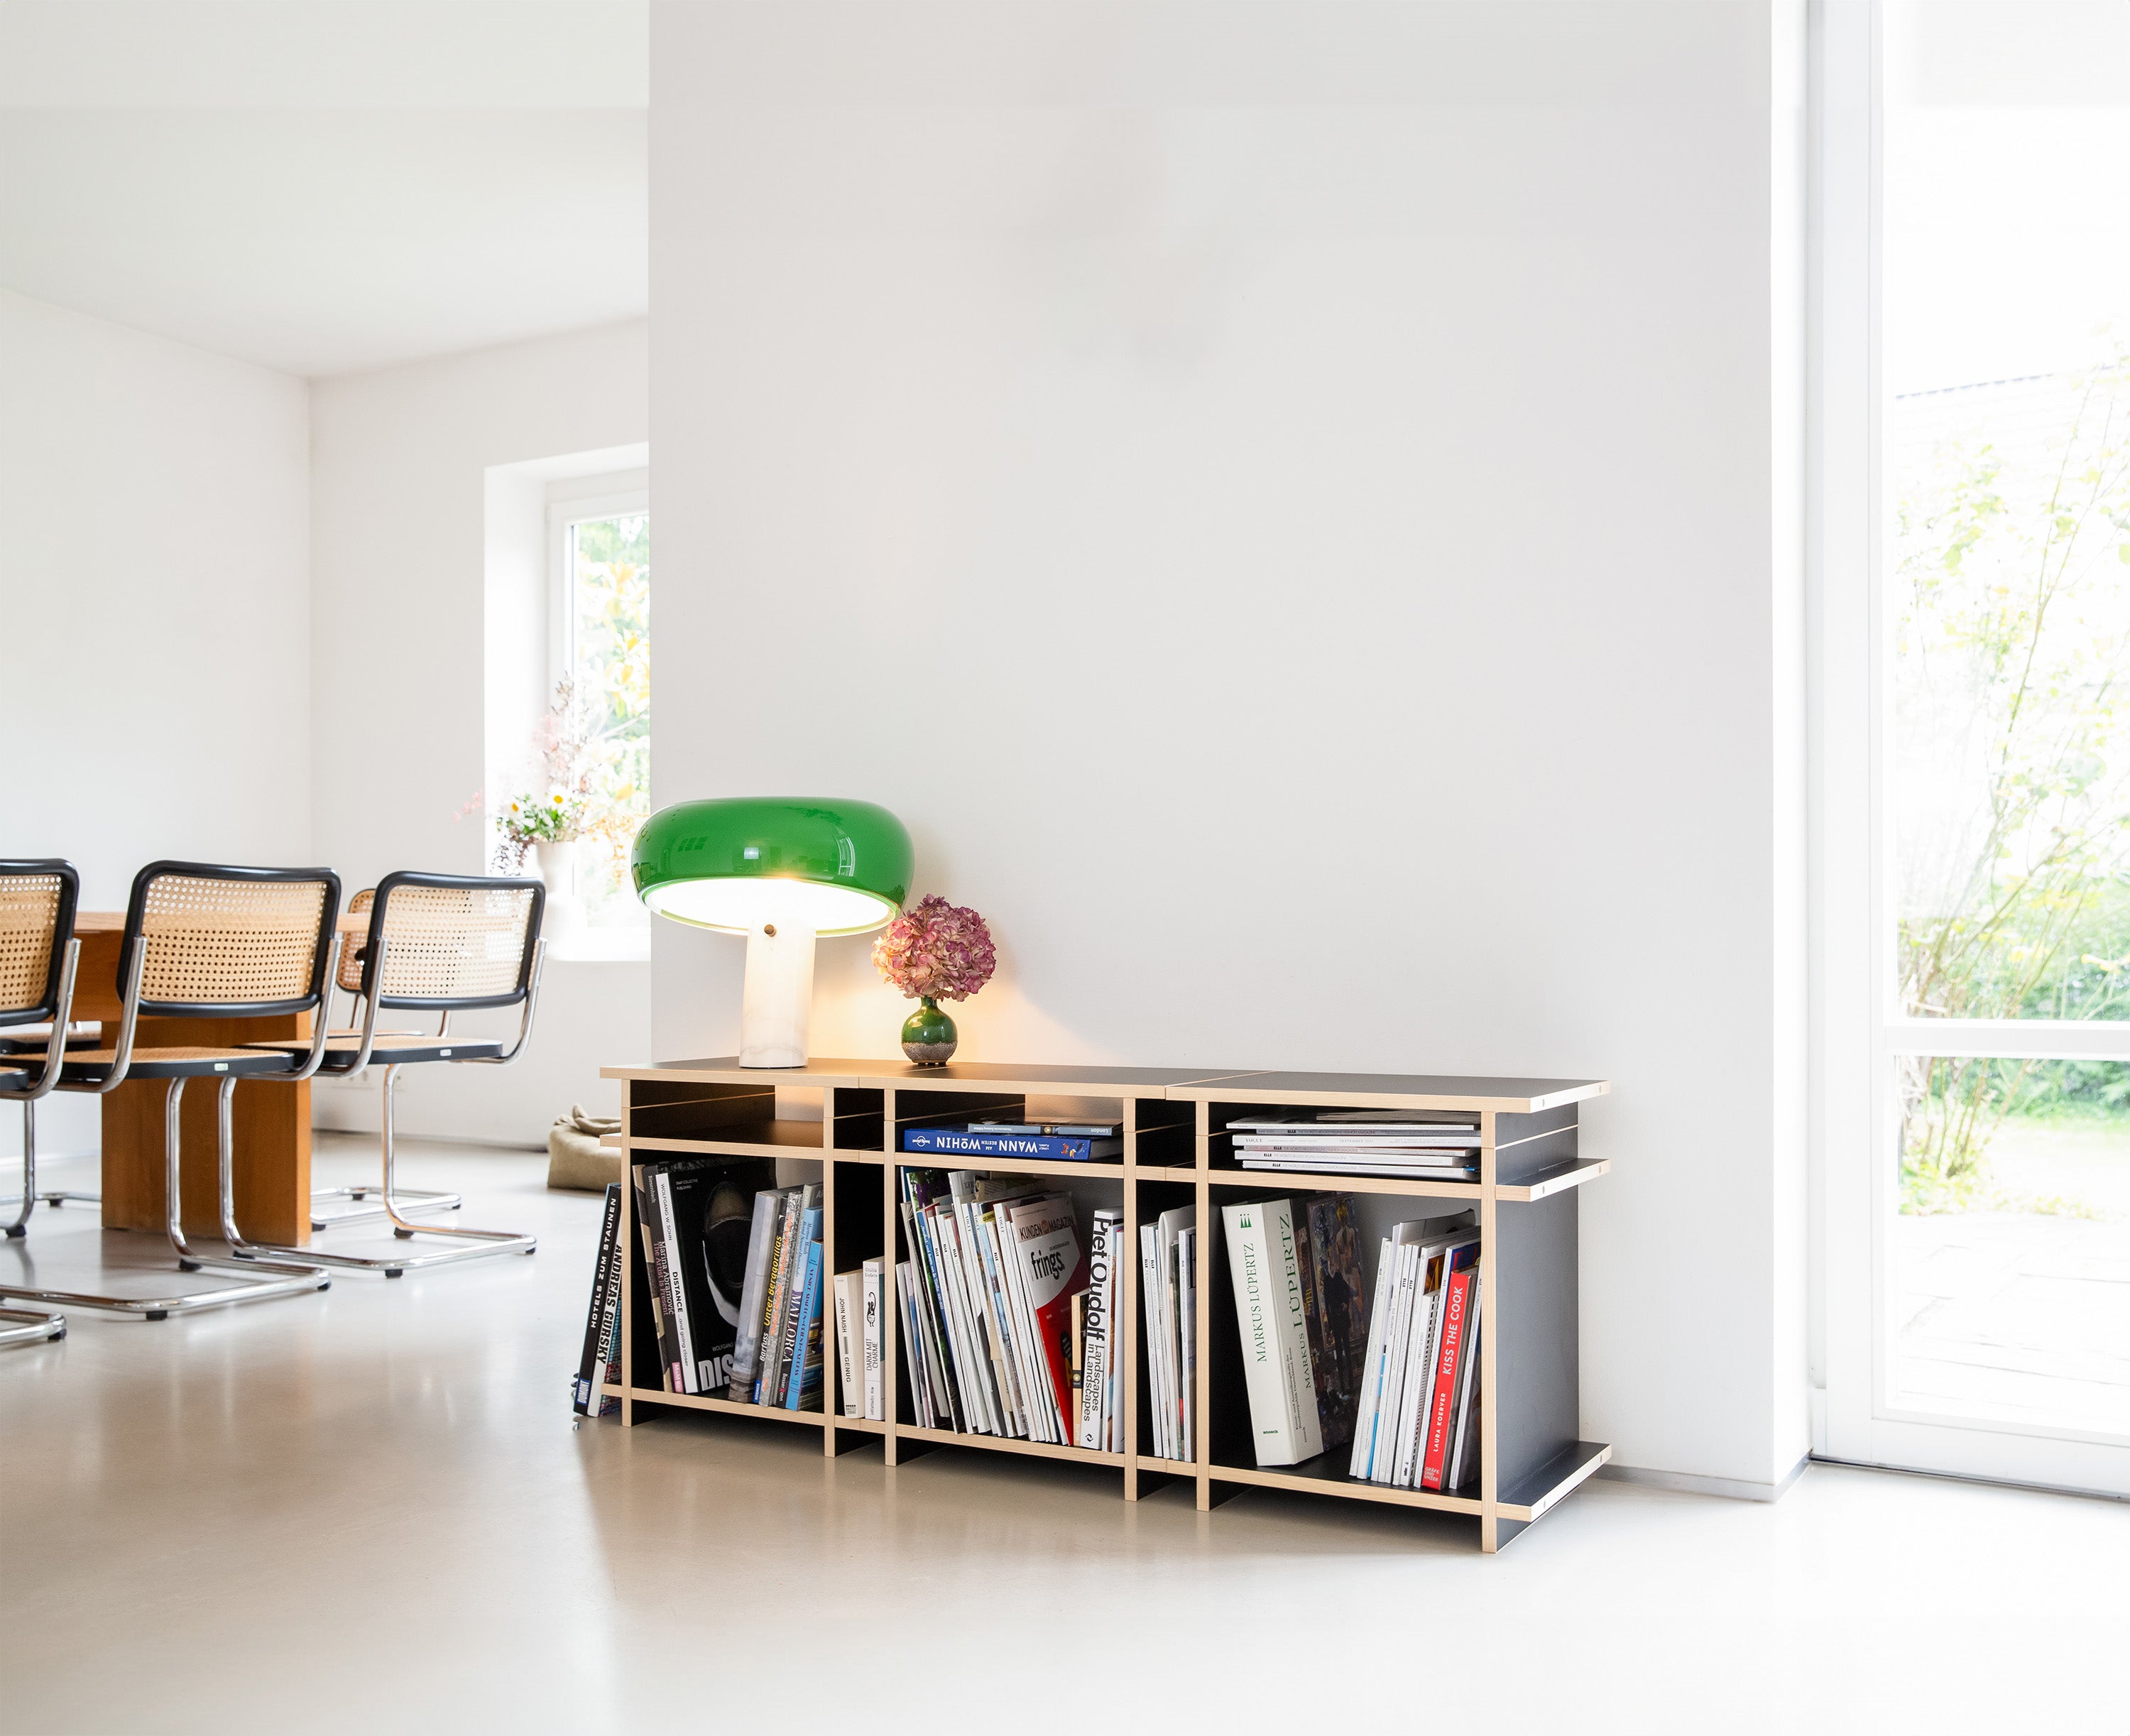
1419, 1422
1411, 1142
1007, 1312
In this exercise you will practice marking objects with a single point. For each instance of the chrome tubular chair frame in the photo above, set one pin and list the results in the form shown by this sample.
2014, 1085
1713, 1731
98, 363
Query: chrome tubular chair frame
26, 1326
39, 956
29, 1092
281, 967
432, 954
364, 1195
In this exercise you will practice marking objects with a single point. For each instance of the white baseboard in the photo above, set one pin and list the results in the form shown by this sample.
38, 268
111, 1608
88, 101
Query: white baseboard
1731, 1488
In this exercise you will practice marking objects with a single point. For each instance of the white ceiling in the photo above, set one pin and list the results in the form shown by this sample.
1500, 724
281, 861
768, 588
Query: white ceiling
325, 185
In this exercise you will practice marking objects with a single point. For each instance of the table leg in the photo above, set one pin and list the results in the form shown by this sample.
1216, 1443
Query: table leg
272, 1167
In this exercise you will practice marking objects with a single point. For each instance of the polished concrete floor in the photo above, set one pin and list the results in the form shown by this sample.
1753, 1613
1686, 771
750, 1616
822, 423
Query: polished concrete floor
371, 1510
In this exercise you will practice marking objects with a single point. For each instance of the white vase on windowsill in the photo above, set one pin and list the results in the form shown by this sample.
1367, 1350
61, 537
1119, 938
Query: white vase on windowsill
557, 860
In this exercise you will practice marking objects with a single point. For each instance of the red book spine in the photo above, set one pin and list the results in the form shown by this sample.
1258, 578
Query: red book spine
1445, 1380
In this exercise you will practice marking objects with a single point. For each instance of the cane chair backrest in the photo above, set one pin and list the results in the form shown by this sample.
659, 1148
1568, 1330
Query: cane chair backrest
453, 941
36, 920
229, 942
351, 957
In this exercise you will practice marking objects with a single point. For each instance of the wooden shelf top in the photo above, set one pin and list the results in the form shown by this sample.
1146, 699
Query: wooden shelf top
725, 1069
1155, 1081
1396, 1091
1188, 1084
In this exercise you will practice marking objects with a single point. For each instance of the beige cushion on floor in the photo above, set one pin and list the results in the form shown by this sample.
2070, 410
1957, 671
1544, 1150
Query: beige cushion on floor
575, 1158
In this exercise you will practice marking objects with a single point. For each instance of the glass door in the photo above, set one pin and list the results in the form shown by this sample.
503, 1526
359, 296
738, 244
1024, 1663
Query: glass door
1999, 1143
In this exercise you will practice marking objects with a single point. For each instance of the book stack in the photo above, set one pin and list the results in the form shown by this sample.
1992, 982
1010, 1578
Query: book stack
1071, 1142
776, 1357
1168, 1279
1419, 1421
1006, 1316
1314, 1357
1361, 1142
859, 1302
694, 1215
599, 1363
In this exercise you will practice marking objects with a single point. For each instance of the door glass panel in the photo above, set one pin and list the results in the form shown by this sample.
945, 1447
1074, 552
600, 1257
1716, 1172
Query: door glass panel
2008, 1270
2006, 479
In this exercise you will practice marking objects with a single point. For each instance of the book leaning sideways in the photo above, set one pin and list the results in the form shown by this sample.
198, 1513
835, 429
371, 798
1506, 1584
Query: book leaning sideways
1265, 1265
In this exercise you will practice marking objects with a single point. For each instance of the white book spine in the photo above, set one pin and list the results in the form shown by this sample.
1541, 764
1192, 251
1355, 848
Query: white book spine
1006, 1303
846, 1323
1034, 1376
1257, 1319
960, 1332
978, 1269
1419, 1367
1150, 1288
1094, 1363
1030, 1369
1394, 1401
976, 1340
913, 1339
1364, 1416
876, 1396
1165, 1312
923, 1296
1297, 1374
1186, 1337
989, 1349
1119, 1348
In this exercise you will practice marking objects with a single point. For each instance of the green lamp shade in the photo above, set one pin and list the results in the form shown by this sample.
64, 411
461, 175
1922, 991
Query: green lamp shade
839, 867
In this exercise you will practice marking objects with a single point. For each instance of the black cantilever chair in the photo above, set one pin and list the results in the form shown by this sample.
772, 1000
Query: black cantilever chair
38, 956
439, 944
37, 900
207, 941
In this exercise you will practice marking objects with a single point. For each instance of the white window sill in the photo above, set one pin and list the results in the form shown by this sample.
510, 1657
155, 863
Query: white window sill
602, 946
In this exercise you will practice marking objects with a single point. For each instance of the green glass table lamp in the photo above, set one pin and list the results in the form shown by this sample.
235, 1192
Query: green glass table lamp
781, 870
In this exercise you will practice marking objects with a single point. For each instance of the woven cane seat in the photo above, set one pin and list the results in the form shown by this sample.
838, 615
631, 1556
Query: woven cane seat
393, 1051
35, 1039
92, 1066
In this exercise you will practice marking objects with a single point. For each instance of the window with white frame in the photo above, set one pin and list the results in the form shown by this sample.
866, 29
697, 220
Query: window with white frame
595, 743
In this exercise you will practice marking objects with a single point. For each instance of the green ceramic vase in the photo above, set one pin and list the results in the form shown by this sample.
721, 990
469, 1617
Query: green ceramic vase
928, 1034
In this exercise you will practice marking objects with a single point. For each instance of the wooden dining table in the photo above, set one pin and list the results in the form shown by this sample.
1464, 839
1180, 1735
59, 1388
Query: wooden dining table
271, 1161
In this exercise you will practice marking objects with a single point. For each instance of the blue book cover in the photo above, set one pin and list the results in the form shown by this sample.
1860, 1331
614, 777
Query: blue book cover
1050, 1147
803, 1380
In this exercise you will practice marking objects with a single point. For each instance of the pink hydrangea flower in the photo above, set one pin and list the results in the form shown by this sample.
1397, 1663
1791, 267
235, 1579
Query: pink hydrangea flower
939, 949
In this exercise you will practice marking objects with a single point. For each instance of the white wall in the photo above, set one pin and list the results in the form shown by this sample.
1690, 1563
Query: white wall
399, 481
155, 665
1284, 502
